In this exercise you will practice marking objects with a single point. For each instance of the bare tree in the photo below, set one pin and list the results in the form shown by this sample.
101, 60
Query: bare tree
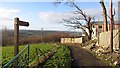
111, 17
76, 21
104, 15
119, 11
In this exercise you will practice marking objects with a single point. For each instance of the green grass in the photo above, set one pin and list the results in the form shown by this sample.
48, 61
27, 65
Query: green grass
61, 59
0, 56
8, 51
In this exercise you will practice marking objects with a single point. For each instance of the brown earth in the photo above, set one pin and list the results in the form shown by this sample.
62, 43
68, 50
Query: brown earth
82, 58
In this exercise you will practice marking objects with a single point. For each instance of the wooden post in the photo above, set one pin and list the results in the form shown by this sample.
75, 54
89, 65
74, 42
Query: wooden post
111, 27
42, 41
28, 56
17, 23
16, 38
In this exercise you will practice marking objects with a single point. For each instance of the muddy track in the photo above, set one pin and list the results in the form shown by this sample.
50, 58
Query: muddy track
82, 58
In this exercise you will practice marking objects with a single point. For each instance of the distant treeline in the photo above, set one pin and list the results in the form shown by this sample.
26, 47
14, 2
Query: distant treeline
24, 38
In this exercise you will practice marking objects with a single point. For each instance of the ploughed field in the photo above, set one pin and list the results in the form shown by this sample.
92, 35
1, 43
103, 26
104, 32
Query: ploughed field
60, 58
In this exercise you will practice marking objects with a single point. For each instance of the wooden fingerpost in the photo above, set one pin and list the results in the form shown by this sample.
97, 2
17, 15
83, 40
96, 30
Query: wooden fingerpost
16, 39
17, 23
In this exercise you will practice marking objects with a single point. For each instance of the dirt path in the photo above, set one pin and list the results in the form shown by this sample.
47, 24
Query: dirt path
83, 58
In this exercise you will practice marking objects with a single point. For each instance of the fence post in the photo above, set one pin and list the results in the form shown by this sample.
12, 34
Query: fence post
37, 54
28, 55
16, 40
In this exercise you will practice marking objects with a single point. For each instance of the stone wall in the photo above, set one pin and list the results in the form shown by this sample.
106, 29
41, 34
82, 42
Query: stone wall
104, 39
72, 40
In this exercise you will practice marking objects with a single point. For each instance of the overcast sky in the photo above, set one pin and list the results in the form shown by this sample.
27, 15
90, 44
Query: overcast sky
44, 14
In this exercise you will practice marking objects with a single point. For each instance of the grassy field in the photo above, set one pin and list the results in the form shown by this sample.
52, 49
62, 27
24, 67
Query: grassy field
62, 53
61, 59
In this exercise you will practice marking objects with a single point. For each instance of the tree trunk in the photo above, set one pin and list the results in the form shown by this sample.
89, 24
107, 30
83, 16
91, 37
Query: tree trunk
90, 34
119, 11
105, 15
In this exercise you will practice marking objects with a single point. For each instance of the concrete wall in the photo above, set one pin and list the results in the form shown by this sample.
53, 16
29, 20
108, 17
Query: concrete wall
104, 39
94, 33
72, 40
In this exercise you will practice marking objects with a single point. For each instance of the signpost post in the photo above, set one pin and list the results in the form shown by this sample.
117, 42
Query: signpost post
17, 23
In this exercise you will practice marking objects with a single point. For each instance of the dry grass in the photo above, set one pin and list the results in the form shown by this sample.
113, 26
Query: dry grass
102, 54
